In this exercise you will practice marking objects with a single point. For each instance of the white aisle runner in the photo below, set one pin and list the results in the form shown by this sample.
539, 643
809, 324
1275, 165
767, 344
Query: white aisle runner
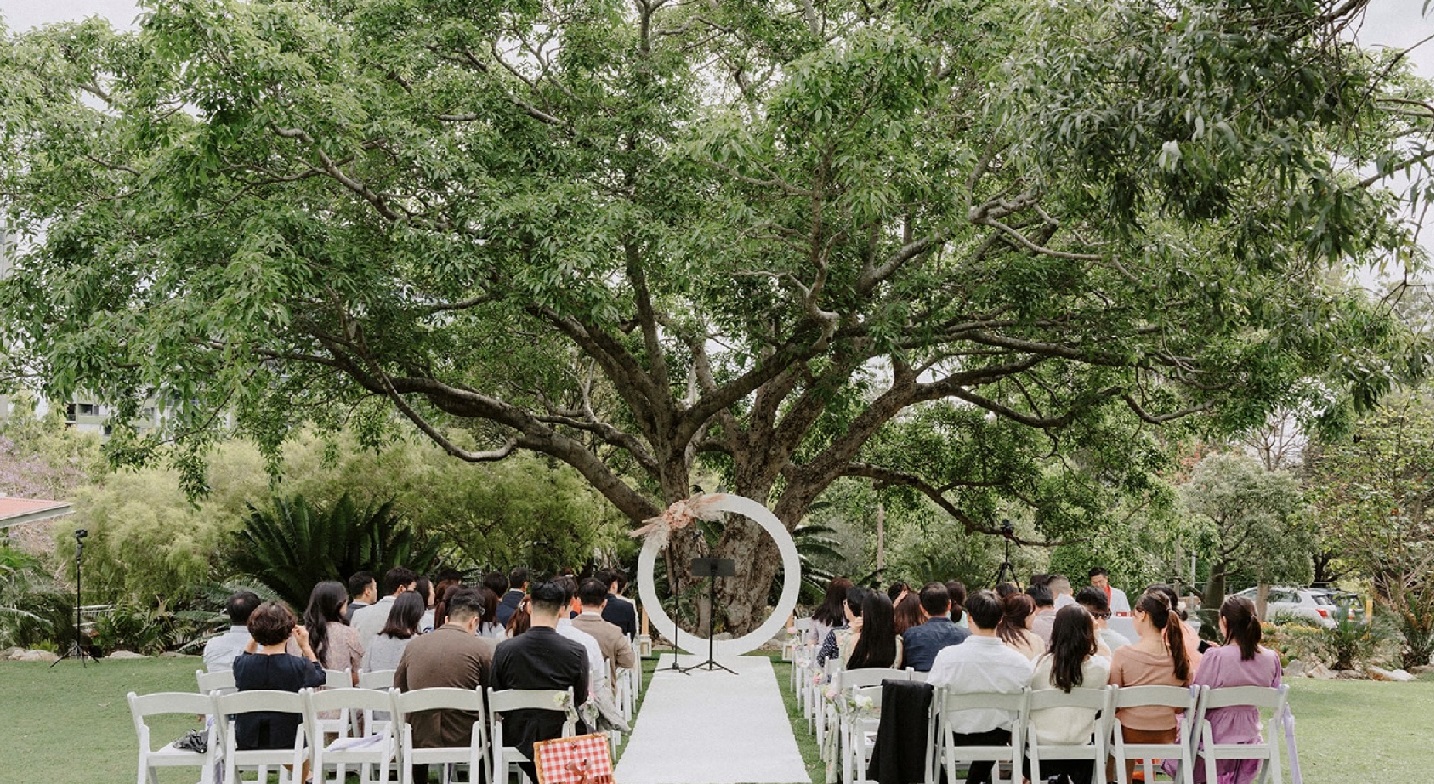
713, 728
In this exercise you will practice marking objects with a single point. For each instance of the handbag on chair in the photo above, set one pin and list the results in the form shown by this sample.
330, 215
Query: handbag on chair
582, 759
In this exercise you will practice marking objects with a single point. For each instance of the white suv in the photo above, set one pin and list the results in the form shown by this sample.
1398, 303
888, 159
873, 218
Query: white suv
1303, 603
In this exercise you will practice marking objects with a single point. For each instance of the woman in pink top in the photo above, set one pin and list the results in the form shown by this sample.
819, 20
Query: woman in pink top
1241, 661
1157, 658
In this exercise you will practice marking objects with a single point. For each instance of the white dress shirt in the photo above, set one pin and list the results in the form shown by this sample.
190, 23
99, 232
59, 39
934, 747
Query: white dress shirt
980, 664
219, 652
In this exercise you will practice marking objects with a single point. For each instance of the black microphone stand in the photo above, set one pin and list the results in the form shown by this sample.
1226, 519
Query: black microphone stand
77, 650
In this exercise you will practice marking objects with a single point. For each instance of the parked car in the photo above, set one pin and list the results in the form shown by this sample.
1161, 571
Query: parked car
1310, 604
1350, 603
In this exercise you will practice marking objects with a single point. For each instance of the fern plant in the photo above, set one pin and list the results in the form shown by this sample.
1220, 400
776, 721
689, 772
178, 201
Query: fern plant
296, 545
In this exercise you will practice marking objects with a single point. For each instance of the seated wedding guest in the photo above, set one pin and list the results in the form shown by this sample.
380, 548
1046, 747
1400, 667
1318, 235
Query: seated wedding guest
424, 588
540, 658
981, 664
363, 591
387, 648
336, 643
517, 589
1093, 600
1045, 614
615, 647
875, 643
923, 642
370, 620
1241, 661
896, 590
566, 628
451, 656
906, 612
219, 652
488, 624
1192, 639
1070, 663
957, 591
1157, 658
1015, 627
266, 665
618, 611
1060, 586
829, 615
842, 638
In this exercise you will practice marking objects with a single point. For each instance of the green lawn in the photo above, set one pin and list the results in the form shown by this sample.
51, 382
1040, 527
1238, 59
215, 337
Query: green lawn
70, 725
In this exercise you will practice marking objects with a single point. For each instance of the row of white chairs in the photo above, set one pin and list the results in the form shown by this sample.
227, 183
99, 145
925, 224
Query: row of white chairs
373, 753
1195, 739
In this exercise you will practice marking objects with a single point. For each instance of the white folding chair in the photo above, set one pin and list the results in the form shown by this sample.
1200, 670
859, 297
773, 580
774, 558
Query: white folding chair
167, 756
378, 679
1176, 697
627, 681
1096, 701
850, 731
229, 706
796, 637
371, 753
209, 682
504, 756
339, 679
949, 755
474, 755
1267, 751
821, 712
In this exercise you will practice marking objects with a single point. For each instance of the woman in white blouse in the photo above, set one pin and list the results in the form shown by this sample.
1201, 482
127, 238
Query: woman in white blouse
1070, 663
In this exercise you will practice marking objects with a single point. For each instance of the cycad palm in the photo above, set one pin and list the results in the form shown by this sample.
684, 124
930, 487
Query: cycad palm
297, 545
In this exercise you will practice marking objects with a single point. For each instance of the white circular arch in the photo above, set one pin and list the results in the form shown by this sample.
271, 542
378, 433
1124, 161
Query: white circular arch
791, 565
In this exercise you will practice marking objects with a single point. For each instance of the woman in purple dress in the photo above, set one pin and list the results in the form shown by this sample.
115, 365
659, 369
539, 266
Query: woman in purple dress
1241, 661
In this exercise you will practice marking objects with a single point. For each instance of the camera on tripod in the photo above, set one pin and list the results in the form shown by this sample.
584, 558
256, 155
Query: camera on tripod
1008, 529
81, 533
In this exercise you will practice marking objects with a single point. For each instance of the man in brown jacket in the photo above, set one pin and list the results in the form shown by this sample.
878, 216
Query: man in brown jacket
616, 648
453, 656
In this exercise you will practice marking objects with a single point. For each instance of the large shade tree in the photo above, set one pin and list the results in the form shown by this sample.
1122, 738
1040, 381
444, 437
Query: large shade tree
651, 237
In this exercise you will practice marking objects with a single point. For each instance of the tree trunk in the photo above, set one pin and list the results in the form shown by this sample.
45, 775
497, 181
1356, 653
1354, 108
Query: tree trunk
1215, 588
744, 598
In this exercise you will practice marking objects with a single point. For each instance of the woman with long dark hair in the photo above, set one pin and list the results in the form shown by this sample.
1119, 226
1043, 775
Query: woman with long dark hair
1241, 661
906, 613
1157, 658
387, 647
334, 641
1071, 662
877, 644
1014, 629
830, 614
838, 642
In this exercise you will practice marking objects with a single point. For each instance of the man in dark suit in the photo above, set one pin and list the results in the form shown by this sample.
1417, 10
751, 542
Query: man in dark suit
451, 655
517, 589
923, 642
618, 611
540, 658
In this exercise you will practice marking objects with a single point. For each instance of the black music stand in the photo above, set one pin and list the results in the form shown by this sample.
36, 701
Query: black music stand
712, 568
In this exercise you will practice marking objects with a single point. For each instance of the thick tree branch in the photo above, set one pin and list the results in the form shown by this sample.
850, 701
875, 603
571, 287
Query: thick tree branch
893, 477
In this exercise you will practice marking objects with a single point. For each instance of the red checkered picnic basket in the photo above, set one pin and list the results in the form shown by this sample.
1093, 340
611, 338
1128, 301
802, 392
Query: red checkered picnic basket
582, 759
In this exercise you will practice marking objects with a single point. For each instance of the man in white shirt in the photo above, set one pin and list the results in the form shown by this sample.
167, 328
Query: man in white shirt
1100, 578
1062, 591
219, 652
981, 664
370, 620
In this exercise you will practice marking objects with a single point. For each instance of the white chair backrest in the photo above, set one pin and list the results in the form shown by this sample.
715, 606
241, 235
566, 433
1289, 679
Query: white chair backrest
1164, 696
1262, 697
1093, 699
437, 698
259, 700
948, 702
518, 699
165, 702
378, 679
221, 681
350, 700
847, 679
338, 679
802, 624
